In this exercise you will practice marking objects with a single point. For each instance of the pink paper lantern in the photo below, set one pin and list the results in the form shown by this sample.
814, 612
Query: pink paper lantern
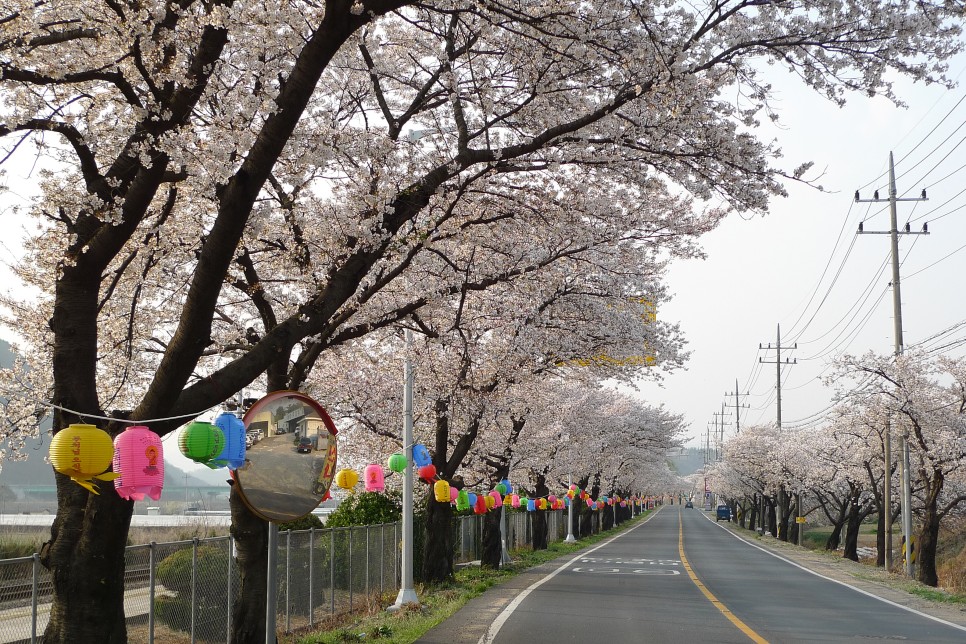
453, 494
515, 501
590, 503
375, 478
139, 461
497, 499
552, 499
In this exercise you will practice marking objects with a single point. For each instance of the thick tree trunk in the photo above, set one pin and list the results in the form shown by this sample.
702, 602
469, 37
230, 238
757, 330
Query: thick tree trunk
772, 519
85, 555
929, 534
492, 541
540, 517
438, 546
852, 531
880, 535
834, 537
784, 502
251, 544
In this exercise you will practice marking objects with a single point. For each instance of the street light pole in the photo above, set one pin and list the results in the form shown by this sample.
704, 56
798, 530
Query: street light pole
570, 517
407, 592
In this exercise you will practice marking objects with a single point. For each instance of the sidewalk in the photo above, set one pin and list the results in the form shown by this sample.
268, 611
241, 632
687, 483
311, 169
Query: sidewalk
16, 623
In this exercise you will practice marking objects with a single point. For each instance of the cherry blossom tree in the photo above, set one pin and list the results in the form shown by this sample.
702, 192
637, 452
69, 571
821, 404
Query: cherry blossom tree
230, 189
926, 398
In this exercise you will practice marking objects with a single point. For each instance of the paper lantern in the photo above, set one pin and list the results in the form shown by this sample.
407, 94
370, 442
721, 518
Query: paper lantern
462, 500
497, 498
453, 494
506, 484
397, 462
375, 478
346, 479
201, 442
590, 503
233, 429
531, 505
508, 499
139, 464
471, 498
480, 506
83, 452
441, 490
501, 488
421, 455
427, 472
552, 499
514, 500
489, 502
541, 504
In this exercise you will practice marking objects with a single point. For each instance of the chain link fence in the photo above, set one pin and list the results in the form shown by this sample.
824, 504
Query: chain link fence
183, 592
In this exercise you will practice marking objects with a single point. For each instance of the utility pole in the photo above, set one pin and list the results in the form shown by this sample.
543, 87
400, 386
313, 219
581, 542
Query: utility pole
906, 505
782, 502
737, 406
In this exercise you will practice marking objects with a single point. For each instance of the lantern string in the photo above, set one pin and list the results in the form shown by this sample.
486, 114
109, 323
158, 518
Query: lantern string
142, 421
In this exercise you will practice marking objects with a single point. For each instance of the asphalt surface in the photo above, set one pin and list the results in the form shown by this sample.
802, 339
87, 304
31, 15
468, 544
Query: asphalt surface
637, 587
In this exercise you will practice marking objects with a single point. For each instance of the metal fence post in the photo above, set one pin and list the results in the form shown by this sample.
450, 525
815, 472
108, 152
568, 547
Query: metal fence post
194, 584
350, 569
311, 575
367, 560
231, 597
33, 597
288, 577
382, 558
332, 570
151, 592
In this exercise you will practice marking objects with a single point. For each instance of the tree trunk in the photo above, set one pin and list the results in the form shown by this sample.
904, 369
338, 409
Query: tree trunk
438, 546
929, 534
880, 535
85, 555
251, 544
784, 502
540, 516
852, 531
492, 541
772, 519
834, 537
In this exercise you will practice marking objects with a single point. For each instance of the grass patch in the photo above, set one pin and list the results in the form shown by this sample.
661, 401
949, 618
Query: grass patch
437, 602
937, 595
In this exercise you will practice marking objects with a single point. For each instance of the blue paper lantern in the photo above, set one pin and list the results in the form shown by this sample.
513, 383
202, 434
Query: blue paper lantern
233, 454
421, 455
531, 505
509, 488
471, 498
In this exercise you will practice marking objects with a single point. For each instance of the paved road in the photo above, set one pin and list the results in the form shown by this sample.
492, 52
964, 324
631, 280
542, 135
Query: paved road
679, 577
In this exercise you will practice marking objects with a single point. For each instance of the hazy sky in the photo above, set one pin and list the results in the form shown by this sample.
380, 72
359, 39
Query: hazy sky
804, 267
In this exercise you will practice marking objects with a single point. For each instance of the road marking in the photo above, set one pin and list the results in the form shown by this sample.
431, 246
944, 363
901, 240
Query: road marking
636, 571
744, 628
842, 583
497, 624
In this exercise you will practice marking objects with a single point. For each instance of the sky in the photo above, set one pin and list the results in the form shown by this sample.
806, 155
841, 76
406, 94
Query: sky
801, 265
803, 268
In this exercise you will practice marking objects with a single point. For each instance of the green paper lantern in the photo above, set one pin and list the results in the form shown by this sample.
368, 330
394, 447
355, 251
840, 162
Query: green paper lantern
501, 488
463, 500
397, 462
201, 441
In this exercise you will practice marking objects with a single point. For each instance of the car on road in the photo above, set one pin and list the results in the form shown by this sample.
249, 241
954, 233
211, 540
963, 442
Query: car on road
305, 446
723, 512
688, 504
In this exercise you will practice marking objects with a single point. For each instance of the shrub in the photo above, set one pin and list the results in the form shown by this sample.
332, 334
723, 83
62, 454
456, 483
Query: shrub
211, 595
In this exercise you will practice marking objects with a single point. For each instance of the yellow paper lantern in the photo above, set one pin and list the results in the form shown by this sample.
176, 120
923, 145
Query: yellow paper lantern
490, 503
84, 453
346, 479
441, 491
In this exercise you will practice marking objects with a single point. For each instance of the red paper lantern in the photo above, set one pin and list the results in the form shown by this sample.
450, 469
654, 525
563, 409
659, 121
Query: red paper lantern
427, 472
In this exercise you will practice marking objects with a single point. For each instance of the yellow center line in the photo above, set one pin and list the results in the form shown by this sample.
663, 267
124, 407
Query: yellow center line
744, 628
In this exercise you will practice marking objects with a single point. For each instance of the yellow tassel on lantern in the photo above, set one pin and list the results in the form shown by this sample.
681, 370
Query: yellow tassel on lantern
441, 491
83, 452
346, 479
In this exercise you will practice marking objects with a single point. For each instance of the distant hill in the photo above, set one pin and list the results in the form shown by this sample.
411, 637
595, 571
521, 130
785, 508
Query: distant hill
688, 462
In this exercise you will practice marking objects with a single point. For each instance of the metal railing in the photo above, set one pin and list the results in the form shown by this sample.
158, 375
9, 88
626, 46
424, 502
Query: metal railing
183, 592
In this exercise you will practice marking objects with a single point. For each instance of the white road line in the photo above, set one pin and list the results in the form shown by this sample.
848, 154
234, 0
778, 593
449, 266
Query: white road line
842, 583
497, 624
